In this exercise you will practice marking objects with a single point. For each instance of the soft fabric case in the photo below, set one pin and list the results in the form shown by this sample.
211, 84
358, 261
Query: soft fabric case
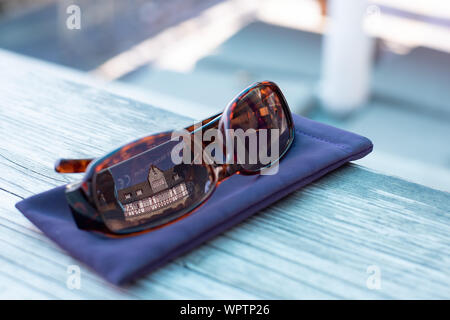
317, 149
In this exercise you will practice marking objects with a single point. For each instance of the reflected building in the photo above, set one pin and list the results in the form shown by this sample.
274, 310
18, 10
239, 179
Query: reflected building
163, 190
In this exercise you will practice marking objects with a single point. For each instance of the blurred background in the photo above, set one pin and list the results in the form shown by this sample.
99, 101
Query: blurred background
379, 68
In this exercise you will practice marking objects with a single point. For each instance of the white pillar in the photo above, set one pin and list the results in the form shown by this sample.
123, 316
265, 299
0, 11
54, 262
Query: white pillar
346, 58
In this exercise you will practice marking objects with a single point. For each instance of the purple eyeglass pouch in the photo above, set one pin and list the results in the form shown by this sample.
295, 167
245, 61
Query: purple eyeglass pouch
317, 150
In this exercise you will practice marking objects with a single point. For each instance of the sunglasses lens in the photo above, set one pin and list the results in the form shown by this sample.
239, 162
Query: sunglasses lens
149, 190
264, 117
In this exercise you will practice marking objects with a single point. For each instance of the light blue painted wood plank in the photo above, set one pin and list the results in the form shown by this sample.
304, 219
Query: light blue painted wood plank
108, 27
419, 79
315, 243
410, 143
258, 52
213, 89
261, 46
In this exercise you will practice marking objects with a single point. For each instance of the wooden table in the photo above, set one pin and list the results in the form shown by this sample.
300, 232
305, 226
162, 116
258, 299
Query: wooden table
323, 241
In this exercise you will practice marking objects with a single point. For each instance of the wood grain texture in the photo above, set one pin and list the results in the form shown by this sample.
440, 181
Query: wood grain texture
315, 243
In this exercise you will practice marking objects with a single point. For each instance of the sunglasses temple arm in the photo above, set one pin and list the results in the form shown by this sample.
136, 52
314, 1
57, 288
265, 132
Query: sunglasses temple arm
72, 165
80, 165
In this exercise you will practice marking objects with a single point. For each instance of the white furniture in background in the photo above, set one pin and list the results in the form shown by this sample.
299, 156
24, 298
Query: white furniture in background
347, 58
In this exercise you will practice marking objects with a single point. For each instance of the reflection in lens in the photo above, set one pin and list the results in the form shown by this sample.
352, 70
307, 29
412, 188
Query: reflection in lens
262, 109
156, 190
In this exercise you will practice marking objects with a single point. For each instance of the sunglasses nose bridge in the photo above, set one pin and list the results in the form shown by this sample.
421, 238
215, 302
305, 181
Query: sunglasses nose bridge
224, 171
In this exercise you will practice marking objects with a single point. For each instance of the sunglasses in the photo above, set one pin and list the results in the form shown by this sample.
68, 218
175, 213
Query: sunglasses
139, 187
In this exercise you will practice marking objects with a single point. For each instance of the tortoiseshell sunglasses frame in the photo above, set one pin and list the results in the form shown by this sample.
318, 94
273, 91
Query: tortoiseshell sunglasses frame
80, 197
